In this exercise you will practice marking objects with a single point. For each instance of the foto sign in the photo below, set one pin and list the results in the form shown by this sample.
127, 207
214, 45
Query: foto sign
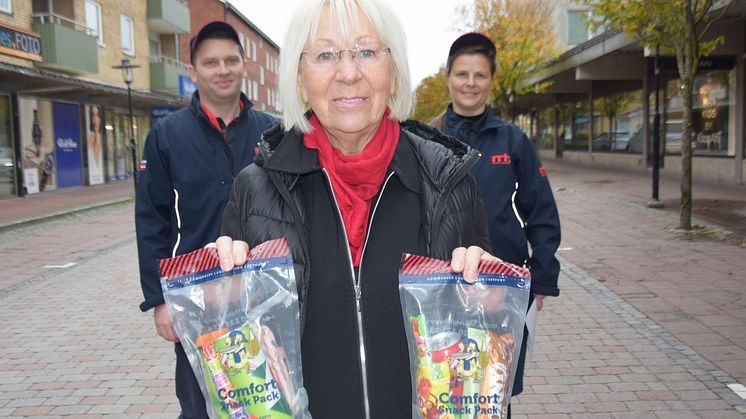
20, 43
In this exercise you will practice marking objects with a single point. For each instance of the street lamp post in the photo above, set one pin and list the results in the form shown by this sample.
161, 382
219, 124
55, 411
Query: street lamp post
127, 67
654, 202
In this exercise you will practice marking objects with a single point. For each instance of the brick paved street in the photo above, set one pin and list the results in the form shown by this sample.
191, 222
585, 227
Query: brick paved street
650, 324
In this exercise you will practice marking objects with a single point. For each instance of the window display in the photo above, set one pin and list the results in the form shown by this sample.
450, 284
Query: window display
713, 115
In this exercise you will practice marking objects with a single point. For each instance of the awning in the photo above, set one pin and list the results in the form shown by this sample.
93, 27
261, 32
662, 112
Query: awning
55, 86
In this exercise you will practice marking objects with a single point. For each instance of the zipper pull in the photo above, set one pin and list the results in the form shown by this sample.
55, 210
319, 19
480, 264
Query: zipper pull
357, 298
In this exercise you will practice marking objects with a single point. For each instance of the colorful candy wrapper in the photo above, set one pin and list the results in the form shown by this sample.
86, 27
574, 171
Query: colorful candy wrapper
464, 339
240, 330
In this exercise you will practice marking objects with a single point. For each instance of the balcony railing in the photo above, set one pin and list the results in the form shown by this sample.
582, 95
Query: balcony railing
167, 60
61, 20
165, 73
66, 45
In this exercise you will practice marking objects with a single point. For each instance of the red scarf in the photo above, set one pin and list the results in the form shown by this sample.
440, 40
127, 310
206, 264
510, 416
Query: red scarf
356, 179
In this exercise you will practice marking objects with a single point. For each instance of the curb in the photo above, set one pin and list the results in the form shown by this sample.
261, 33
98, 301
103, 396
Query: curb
57, 215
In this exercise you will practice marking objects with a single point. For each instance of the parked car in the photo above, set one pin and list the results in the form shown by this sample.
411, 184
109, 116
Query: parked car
617, 141
634, 145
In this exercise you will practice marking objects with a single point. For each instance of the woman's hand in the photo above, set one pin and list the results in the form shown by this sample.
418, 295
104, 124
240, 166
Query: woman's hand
231, 253
467, 261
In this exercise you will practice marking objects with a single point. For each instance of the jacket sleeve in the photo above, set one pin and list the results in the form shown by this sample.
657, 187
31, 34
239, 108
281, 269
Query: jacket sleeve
154, 202
536, 205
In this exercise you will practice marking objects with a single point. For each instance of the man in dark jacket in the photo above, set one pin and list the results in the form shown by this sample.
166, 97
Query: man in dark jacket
189, 163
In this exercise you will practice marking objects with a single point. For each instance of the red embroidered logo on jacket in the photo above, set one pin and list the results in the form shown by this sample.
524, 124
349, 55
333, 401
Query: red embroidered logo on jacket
542, 171
501, 158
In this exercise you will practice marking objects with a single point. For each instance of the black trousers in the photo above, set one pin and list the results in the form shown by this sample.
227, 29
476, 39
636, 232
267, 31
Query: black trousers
187, 388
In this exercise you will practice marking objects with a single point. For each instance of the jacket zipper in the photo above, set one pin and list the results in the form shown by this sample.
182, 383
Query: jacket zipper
356, 284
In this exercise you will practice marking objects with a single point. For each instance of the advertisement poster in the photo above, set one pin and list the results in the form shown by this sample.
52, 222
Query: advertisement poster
37, 141
94, 143
67, 144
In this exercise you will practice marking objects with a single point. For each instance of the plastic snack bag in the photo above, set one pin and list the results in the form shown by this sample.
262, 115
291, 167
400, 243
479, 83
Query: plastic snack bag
240, 330
464, 339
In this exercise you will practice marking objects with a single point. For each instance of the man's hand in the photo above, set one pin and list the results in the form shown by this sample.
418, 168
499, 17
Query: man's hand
539, 300
163, 324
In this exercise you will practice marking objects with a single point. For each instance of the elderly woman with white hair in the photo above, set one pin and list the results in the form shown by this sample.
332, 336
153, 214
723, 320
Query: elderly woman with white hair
352, 187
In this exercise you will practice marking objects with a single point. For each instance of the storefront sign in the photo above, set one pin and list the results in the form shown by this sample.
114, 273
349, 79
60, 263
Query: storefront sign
186, 86
67, 144
20, 43
160, 112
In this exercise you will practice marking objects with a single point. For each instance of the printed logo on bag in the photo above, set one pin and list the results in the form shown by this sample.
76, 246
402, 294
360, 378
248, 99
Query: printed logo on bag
501, 158
143, 165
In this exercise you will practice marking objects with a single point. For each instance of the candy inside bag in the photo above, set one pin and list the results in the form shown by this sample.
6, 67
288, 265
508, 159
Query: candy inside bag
464, 339
240, 330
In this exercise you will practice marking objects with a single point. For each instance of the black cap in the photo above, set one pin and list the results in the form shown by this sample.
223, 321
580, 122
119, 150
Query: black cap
212, 27
471, 39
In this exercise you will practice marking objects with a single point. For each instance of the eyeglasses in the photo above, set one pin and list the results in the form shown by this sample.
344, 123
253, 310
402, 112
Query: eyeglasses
364, 55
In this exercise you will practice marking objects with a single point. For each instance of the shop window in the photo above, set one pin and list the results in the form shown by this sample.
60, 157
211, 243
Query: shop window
574, 125
6, 6
127, 32
93, 21
7, 160
713, 115
544, 140
618, 122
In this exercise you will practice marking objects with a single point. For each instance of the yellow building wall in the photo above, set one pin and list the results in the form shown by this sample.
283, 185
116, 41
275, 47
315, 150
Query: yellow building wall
111, 53
20, 19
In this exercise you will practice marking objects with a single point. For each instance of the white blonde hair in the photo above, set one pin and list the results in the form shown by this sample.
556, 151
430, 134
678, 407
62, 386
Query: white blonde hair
301, 30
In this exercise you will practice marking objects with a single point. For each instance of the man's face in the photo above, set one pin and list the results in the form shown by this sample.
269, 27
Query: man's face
218, 70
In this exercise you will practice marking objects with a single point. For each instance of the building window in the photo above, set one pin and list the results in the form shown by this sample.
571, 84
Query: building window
253, 50
127, 29
577, 33
261, 76
155, 48
255, 91
6, 6
93, 21
242, 39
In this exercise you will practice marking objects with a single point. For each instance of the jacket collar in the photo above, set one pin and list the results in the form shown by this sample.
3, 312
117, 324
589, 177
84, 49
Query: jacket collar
454, 123
196, 108
283, 151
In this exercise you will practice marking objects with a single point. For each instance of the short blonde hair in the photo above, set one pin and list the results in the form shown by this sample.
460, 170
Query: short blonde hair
302, 28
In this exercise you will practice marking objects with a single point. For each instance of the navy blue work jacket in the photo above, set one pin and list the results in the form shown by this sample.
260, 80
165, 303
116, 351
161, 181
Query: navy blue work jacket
516, 193
185, 178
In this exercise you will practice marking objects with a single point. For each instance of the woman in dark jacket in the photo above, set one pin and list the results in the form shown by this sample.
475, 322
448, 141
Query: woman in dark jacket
511, 180
353, 189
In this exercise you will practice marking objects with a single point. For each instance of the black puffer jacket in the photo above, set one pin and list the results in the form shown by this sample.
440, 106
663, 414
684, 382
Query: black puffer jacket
429, 205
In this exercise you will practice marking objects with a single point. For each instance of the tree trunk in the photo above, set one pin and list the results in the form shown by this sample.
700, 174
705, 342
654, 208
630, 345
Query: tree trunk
685, 217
